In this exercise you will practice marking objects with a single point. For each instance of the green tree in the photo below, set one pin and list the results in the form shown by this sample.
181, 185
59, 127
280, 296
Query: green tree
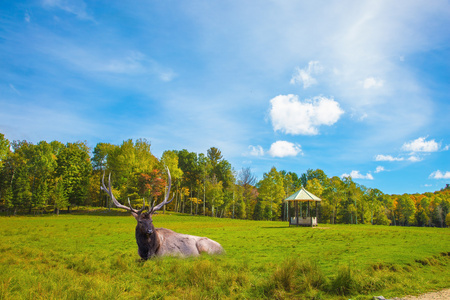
319, 175
406, 210
315, 187
333, 194
169, 159
375, 200
225, 173
247, 180
4, 149
74, 166
100, 158
214, 193
239, 206
215, 156
42, 166
58, 195
126, 162
348, 205
28, 171
271, 191
6, 173
424, 213
204, 166
188, 163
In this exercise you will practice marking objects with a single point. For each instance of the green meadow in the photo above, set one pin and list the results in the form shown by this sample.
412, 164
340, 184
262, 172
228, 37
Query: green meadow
94, 256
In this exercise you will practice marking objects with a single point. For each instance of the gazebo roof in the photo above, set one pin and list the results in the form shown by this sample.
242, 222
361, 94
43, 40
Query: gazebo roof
302, 195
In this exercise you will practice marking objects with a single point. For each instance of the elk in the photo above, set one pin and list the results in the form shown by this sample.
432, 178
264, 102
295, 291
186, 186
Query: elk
153, 241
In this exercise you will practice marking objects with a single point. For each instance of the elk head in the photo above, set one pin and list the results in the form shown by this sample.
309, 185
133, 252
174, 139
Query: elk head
144, 219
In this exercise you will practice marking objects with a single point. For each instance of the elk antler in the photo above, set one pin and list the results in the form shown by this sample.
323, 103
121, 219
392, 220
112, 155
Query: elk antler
159, 206
116, 203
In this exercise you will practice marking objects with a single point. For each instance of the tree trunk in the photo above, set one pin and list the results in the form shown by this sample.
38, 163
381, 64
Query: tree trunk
233, 206
204, 199
191, 198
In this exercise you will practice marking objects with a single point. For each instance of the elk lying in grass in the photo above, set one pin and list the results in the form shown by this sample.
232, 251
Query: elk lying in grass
153, 241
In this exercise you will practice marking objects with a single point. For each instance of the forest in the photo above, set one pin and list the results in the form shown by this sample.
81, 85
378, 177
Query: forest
48, 177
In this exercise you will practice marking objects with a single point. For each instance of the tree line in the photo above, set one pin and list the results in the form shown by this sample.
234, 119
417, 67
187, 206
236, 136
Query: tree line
52, 176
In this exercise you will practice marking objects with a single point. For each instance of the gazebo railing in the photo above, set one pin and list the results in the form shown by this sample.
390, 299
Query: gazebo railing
303, 221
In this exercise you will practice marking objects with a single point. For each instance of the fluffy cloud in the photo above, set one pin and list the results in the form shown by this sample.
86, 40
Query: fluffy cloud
357, 175
414, 158
439, 175
290, 115
304, 76
284, 148
372, 83
421, 145
381, 157
256, 150
379, 169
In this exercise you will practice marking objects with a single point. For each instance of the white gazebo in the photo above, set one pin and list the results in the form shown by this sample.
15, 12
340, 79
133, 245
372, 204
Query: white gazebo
299, 216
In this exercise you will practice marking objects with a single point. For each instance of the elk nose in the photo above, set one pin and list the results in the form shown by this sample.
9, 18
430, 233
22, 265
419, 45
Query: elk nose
150, 231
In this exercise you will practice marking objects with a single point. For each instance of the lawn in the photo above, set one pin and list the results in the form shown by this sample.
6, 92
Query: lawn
94, 256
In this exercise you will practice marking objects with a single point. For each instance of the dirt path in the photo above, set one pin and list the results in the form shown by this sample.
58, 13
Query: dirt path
440, 295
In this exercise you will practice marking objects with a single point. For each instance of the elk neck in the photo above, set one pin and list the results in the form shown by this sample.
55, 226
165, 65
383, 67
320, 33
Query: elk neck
148, 244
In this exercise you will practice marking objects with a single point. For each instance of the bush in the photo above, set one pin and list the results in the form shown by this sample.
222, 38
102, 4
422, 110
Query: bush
344, 283
295, 276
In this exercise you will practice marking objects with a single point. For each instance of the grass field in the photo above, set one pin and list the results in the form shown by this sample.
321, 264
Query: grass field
94, 256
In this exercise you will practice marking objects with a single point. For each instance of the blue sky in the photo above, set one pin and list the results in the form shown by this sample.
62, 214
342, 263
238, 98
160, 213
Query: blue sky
358, 88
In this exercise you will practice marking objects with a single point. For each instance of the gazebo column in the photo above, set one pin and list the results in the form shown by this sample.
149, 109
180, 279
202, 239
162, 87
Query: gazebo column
296, 212
288, 213
309, 214
317, 215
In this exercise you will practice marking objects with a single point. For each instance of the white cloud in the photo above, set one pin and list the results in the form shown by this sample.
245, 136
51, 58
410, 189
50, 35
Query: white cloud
167, 75
284, 148
304, 76
414, 158
96, 63
439, 175
421, 145
14, 89
372, 83
381, 157
76, 7
357, 175
292, 116
27, 17
379, 169
256, 150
